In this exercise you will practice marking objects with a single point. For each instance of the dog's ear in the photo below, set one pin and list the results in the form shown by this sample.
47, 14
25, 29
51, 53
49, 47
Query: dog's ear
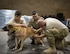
9, 26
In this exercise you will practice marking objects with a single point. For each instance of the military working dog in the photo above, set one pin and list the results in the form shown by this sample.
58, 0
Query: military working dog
21, 33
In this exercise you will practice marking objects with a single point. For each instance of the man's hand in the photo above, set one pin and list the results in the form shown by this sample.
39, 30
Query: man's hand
22, 25
36, 31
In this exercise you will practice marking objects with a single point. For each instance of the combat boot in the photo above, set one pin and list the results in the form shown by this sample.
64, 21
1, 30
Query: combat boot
51, 50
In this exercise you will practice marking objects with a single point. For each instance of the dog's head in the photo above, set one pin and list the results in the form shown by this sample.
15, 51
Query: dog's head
11, 29
7, 27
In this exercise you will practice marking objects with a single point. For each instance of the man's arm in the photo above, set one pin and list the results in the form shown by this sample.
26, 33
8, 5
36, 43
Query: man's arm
16, 24
19, 24
40, 29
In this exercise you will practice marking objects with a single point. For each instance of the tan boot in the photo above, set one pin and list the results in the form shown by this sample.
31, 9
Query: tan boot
50, 50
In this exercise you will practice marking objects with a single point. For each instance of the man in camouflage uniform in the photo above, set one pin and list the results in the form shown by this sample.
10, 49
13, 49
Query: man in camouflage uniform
55, 32
17, 21
32, 23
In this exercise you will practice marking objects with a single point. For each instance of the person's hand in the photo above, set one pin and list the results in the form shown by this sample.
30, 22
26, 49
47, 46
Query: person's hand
36, 31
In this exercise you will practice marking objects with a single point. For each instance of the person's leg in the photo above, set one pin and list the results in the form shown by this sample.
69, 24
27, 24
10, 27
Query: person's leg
61, 44
51, 41
60, 41
11, 41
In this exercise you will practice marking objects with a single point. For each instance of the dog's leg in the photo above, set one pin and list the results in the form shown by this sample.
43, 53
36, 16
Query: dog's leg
16, 42
36, 40
21, 45
41, 41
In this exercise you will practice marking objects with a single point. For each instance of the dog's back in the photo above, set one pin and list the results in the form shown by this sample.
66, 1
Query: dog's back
29, 31
24, 32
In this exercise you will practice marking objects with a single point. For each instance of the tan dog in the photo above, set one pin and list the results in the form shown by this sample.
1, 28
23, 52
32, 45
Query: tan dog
21, 33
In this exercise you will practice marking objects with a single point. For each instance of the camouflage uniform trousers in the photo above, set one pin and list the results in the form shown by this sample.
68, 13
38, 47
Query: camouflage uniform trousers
11, 41
55, 37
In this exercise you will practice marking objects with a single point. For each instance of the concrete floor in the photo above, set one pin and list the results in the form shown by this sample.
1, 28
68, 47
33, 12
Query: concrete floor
28, 48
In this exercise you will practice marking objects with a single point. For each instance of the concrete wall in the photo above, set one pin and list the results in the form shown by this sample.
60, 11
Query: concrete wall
44, 7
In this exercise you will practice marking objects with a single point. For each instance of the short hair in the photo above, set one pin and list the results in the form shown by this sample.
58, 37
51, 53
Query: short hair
40, 23
34, 12
18, 13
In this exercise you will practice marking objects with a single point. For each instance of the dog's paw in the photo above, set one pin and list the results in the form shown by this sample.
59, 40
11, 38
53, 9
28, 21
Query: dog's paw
14, 48
43, 45
19, 50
